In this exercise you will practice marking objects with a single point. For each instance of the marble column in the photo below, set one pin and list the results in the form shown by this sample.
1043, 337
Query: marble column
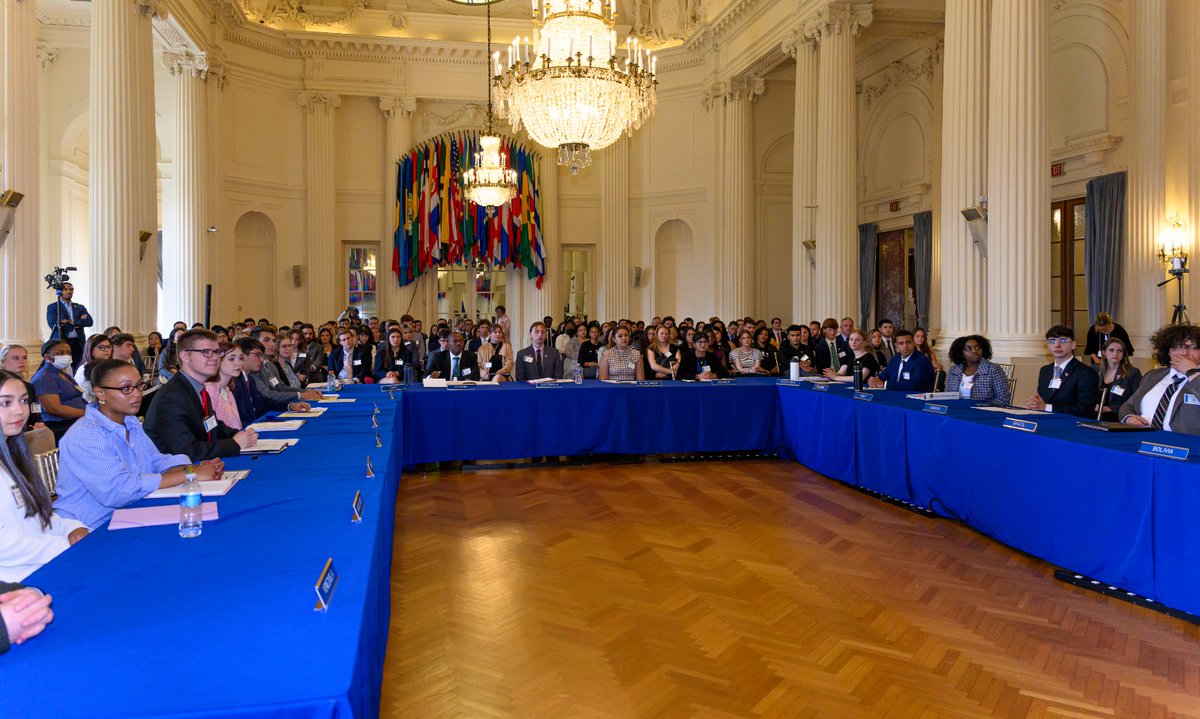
1143, 307
21, 308
835, 291
120, 192
547, 301
964, 165
325, 263
736, 271
1192, 230
614, 275
1018, 180
395, 300
185, 249
146, 277
804, 172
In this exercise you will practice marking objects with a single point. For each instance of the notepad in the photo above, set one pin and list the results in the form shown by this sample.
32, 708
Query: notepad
156, 516
332, 399
267, 446
285, 426
218, 488
547, 380
314, 412
1010, 410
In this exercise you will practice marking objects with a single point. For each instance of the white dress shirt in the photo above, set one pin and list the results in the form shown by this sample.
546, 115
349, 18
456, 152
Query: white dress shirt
24, 545
1062, 367
1151, 399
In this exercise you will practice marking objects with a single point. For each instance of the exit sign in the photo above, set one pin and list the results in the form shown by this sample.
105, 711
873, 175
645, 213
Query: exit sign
1056, 169
894, 206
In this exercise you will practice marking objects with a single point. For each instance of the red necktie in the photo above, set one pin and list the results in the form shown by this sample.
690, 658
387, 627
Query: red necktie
206, 404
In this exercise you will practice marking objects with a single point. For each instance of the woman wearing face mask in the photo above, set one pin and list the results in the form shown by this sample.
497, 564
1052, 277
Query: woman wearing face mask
15, 358
31, 534
61, 399
96, 349
107, 460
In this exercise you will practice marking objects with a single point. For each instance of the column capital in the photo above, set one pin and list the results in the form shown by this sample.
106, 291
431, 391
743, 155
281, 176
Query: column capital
402, 107
837, 18
184, 63
47, 54
151, 8
325, 101
741, 87
796, 42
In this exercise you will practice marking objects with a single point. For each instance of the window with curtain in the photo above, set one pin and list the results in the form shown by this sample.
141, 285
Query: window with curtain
1068, 290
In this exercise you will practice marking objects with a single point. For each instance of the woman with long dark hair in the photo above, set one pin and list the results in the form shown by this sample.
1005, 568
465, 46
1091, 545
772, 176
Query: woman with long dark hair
96, 349
31, 534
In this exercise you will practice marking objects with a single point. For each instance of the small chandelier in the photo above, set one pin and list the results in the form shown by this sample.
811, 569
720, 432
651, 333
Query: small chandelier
570, 88
489, 181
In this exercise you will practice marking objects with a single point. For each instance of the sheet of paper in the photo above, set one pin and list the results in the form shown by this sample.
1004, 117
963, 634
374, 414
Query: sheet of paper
433, 382
218, 488
1012, 411
269, 445
935, 396
314, 412
156, 516
331, 399
284, 426
619, 381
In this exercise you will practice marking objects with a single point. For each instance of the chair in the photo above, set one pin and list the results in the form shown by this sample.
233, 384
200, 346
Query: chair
40, 441
46, 466
1007, 369
1012, 389
939, 381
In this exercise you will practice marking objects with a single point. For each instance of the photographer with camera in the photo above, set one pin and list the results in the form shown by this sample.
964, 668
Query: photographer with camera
67, 319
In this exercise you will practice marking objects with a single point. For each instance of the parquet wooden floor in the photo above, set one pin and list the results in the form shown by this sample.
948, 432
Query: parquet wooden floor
751, 589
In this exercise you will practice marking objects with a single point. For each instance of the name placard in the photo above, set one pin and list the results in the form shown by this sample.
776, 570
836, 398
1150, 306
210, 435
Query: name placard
357, 505
864, 396
715, 382
1164, 450
790, 382
935, 408
1021, 424
547, 385
326, 583
649, 383
821, 387
460, 386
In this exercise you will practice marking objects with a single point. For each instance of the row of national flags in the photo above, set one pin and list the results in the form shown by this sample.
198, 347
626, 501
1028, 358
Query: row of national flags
437, 226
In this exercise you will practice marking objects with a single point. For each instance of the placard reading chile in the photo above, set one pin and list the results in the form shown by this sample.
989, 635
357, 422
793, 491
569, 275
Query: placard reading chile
326, 583
1155, 449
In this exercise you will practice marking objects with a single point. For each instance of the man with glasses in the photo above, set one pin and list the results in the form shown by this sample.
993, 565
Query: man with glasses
67, 322
254, 396
271, 383
1066, 385
1169, 397
181, 419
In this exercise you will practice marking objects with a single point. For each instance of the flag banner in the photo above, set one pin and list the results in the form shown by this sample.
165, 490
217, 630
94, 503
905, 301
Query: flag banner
436, 226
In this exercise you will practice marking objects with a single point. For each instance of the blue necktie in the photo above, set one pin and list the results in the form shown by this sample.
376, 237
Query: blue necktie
453, 367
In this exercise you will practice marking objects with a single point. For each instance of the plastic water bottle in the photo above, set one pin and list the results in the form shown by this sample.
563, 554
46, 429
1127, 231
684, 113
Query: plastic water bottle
191, 514
794, 369
330, 385
409, 375
578, 374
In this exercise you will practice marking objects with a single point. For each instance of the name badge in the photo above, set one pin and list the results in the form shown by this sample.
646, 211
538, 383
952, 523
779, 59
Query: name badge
357, 362
326, 583
935, 408
1021, 424
803, 358
705, 369
841, 354
1117, 391
210, 424
1191, 399
1055, 383
864, 396
36, 407
357, 506
1164, 450
274, 381
905, 376
303, 355
465, 372
399, 363
18, 496
529, 359
632, 366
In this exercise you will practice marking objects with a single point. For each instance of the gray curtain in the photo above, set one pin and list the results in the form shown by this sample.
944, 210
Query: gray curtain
868, 234
1104, 237
923, 257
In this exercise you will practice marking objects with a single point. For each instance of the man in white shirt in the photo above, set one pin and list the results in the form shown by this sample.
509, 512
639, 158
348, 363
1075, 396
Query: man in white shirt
1169, 397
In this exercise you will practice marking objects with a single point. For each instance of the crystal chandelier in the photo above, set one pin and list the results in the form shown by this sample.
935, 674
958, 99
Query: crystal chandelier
572, 88
489, 182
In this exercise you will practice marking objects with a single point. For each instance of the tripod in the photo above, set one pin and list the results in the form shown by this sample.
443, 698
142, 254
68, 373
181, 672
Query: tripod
1179, 316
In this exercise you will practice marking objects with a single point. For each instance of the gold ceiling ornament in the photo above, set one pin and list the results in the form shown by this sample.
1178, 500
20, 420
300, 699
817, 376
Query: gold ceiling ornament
275, 11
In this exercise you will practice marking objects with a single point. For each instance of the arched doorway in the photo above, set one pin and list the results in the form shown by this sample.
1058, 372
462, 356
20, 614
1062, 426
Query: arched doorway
254, 246
672, 256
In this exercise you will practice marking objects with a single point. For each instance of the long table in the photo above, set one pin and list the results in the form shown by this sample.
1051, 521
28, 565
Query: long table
149, 625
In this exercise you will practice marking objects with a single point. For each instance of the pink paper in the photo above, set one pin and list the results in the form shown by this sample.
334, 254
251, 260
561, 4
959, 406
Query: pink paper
155, 516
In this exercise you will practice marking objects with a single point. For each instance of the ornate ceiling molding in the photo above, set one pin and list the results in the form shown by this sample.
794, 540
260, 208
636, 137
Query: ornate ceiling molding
899, 73
837, 18
274, 12
472, 112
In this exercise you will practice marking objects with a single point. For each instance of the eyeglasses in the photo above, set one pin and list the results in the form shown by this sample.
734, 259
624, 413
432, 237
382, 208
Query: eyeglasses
1184, 347
256, 353
208, 354
128, 389
1058, 340
102, 347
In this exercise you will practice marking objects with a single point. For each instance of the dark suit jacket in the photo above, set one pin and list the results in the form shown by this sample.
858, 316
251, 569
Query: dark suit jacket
918, 368
823, 360
385, 362
175, 422
77, 309
689, 367
251, 402
468, 361
1078, 393
337, 360
552, 365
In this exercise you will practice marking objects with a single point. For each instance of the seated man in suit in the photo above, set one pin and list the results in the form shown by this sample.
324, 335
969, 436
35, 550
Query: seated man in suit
348, 362
699, 363
792, 348
24, 613
254, 396
1169, 397
181, 418
539, 360
454, 363
443, 343
1066, 385
907, 370
273, 384
831, 354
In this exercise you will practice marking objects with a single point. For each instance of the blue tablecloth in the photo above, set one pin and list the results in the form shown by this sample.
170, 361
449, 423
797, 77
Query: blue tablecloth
1081, 499
151, 625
